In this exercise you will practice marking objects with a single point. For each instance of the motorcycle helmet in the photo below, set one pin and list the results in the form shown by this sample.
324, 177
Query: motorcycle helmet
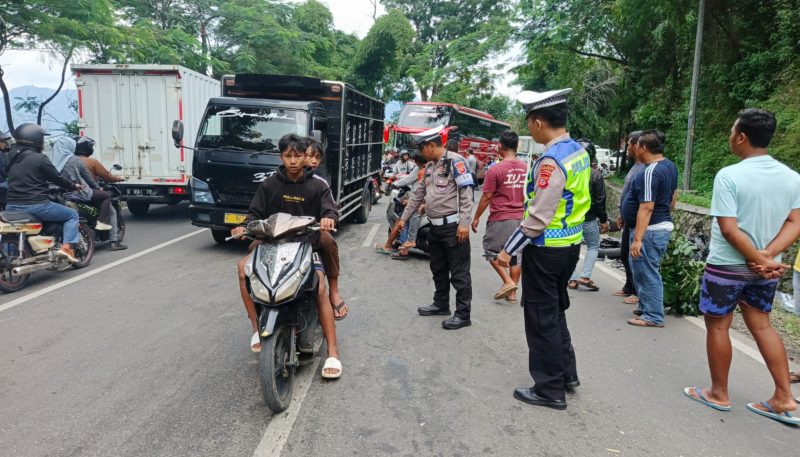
30, 135
4, 136
5, 140
84, 146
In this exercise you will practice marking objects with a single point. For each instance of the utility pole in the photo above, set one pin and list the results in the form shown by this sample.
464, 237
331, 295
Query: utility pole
698, 48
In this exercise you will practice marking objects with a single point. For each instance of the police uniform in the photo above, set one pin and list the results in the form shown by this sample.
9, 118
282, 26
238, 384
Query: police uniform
446, 189
549, 238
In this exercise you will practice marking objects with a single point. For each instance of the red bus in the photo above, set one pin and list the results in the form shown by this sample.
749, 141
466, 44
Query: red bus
473, 129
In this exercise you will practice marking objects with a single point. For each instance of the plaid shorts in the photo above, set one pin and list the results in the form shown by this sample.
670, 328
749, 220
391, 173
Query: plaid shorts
726, 286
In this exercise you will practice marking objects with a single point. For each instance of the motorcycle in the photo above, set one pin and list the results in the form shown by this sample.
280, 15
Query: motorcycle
28, 245
283, 284
102, 238
396, 207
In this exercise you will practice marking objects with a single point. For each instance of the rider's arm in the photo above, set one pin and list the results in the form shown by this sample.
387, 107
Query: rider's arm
328, 205
52, 175
101, 171
86, 175
406, 180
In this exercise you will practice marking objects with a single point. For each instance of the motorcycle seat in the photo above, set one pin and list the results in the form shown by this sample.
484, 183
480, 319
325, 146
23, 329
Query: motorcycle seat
17, 217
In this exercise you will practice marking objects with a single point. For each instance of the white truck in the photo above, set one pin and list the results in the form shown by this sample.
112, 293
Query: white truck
128, 110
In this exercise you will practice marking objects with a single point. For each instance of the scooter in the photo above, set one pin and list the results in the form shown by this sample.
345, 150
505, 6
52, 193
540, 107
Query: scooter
90, 213
396, 207
283, 284
28, 245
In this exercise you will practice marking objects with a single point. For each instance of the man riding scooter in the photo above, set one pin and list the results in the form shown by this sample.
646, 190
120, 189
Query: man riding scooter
29, 174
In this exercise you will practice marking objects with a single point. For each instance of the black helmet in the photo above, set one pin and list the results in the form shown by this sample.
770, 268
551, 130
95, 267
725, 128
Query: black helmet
30, 135
84, 146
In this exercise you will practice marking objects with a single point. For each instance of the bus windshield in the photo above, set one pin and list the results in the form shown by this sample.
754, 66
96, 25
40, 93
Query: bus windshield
424, 116
250, 128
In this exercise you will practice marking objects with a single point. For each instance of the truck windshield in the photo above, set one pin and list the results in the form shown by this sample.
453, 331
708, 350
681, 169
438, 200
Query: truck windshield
250, 128
424, 116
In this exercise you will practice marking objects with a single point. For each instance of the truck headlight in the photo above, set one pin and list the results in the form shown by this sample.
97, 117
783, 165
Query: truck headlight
201, 193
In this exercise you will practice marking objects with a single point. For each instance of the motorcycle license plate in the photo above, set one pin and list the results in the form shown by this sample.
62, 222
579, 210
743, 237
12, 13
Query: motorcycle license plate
234, 219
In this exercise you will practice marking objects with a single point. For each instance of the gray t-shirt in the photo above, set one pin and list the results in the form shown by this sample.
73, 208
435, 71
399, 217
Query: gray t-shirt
637, 168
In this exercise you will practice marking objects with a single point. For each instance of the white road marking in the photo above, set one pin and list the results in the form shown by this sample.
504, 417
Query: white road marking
96, 271
280, 425
371, 236
739, 344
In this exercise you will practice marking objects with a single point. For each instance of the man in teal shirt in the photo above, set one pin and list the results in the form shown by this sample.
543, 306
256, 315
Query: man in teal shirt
756, 211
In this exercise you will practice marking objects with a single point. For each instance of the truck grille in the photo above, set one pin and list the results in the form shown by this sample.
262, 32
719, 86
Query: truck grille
236, 198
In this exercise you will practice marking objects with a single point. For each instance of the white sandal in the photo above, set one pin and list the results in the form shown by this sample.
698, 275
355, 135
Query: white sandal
332, 363
255, 340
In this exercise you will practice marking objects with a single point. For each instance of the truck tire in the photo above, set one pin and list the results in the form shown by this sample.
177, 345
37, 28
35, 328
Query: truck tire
138, 208
220, 235
362, 214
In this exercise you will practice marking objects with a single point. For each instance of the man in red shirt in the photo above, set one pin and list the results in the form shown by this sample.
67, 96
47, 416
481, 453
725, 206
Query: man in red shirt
503, 194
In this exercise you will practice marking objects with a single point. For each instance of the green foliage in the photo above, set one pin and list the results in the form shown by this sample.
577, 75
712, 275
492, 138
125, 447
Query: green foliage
681, 271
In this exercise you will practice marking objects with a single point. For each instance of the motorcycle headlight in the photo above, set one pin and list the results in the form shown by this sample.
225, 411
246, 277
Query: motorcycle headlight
259, 290
289, 288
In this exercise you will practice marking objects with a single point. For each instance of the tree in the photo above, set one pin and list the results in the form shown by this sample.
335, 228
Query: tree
62, 27
378, 65
451, 37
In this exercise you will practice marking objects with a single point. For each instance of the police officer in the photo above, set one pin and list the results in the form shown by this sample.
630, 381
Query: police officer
549, 239
446, 189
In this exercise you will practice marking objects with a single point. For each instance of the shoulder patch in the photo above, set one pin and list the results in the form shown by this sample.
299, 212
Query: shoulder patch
461, 168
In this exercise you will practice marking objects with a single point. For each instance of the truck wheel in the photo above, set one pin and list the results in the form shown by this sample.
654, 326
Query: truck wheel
362, 214
138, 208
220, 235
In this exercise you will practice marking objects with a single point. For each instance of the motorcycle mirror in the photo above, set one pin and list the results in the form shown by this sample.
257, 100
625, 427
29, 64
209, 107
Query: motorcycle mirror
116, 167
177, 133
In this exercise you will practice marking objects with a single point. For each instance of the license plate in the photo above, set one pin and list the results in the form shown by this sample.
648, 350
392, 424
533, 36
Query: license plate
140, 192
234, 219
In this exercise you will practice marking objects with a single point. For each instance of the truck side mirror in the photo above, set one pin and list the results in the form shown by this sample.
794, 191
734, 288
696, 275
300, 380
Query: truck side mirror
116, 167
317, 135
177, 133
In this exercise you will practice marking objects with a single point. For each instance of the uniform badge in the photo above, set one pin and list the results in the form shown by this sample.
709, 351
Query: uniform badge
461, 168
545, 171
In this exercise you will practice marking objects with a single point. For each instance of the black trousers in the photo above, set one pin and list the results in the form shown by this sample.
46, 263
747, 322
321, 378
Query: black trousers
625, 249
450, 262
102, 200
551, 358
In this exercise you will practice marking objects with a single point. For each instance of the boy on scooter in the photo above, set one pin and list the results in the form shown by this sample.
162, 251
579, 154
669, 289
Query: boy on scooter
293, 189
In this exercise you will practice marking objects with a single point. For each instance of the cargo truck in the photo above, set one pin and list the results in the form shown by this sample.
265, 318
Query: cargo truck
128, 110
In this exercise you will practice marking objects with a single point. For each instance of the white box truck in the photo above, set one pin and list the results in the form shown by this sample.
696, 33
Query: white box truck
128, 110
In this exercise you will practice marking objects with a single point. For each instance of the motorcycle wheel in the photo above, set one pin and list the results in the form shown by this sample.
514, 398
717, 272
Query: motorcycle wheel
422, 239
277, 377
9, 283
85, 251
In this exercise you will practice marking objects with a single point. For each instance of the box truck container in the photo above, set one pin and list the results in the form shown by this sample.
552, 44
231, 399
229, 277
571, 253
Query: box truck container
238, 137
128, 110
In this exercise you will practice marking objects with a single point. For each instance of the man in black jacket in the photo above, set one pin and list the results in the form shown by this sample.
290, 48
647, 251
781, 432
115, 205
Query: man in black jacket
296, 190
592, 230
29, 176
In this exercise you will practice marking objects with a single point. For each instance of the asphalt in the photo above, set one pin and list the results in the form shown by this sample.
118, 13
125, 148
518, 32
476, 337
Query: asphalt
150, 357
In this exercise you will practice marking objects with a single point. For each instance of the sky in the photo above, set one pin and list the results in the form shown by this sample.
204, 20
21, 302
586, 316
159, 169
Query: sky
38, 68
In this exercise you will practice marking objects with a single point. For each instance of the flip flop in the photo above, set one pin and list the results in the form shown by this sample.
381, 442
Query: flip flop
700, 398
639, 322
381, 249
621, 293
794, 377
589, 285
573, 285
332, 363
786, 418
255, 340
513, 302
338, 307
631, 300
503, 293
398, 256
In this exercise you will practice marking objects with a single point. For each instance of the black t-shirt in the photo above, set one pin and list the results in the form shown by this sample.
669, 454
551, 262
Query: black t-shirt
656, 183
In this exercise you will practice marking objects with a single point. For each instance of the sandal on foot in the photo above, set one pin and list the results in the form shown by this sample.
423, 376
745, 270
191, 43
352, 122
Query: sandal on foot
513, 301
589, 284
573, 285
338, 308
621, 293
505, 292
631, 300
794, 377
700, 398
255, 343
332, 363
639, 322
381, 249
786, 418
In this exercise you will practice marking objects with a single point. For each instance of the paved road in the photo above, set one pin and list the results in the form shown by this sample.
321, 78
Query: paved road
149, 357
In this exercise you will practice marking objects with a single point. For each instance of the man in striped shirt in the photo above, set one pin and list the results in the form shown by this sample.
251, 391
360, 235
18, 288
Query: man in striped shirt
647, 210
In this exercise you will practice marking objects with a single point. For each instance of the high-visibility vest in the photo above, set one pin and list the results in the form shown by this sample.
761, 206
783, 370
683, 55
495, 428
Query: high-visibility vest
566, 228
